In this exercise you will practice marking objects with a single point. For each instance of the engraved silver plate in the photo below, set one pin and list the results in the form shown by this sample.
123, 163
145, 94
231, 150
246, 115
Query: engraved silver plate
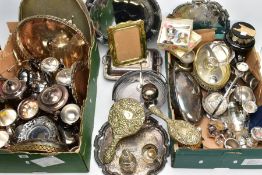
39, 128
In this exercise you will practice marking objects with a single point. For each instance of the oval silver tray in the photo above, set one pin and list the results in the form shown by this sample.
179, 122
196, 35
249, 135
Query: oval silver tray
150, 133
186, 96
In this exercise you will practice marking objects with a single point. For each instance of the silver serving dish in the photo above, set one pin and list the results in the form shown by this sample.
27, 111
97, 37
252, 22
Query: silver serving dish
153, 62
243, 94
211, 66
129, 86
144, 153
41, 128
106, 13
206, 14
186, 96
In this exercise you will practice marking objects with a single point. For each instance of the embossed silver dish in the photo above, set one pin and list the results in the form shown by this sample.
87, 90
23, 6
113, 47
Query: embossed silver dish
41, 128
129, 86
211, 66
149, 147
210, 103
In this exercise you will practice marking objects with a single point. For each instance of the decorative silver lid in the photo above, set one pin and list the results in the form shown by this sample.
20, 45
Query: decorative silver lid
4, 138
50, 64
210, 103
13, 89
64, 77
28, 108
53, 98
7, 117
70, 113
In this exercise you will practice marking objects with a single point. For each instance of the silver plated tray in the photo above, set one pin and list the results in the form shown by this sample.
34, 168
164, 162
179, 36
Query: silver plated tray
151, 135
206, 14
186, 96
153, 62
106, 13
128, 86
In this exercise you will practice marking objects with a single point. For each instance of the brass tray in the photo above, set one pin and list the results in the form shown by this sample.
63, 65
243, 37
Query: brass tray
150, 134
73, 10
45, 36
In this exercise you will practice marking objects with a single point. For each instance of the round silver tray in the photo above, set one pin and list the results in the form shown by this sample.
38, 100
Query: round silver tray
128, 86
106, 13
150, 134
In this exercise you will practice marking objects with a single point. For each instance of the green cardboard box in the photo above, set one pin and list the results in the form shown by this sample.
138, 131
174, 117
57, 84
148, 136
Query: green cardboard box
219, 158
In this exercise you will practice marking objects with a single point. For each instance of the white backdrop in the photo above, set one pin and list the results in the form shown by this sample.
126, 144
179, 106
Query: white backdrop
239, 10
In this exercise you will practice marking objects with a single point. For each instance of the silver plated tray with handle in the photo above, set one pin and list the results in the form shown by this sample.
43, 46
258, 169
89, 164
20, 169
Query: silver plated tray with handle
147, 150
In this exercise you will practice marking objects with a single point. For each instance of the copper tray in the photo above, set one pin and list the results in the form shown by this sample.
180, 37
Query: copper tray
150, 133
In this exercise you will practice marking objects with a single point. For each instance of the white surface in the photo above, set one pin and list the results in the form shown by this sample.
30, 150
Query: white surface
249, 11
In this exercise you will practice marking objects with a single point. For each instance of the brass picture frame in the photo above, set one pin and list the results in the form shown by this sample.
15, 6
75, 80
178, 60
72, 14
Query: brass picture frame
127, 42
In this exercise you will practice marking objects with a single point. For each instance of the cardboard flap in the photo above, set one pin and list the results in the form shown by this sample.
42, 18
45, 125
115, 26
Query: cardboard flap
7, 58
253, 61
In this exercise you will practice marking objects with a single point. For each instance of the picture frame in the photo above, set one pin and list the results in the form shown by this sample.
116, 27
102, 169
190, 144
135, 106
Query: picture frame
127, 43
